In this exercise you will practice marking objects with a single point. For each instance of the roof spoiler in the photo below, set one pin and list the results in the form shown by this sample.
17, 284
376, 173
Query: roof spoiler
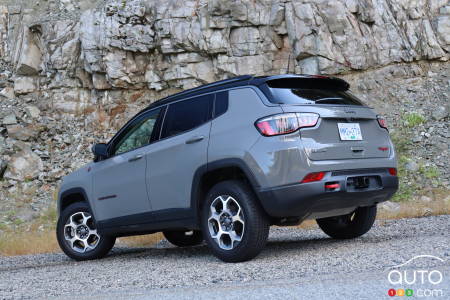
307, 82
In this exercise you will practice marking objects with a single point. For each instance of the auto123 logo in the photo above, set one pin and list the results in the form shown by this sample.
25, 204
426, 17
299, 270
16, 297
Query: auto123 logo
409, 279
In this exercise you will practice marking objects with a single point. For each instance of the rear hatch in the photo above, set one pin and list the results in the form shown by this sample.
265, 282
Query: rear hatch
346, 128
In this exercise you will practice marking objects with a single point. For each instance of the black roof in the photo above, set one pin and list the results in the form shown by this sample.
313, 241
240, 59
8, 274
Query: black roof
286, 80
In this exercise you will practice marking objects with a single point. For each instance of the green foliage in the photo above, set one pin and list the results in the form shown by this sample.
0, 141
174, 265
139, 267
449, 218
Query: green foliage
429, 172
413, 119
402, 141
406, 190
17, 221
49, 216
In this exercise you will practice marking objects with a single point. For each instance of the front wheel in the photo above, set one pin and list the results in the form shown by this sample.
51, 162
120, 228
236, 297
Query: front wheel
234, 225
77, 234
349, 226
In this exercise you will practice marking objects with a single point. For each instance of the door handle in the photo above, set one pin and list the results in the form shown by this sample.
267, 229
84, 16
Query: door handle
195, 139
137, 157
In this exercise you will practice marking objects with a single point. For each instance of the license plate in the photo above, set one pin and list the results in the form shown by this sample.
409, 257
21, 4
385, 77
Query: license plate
349, 132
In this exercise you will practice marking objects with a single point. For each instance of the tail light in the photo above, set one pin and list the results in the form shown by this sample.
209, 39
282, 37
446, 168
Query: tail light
382, 122
393, 171
311, 177
285, 123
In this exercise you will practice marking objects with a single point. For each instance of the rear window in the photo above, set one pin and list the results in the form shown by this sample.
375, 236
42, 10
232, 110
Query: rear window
312, 96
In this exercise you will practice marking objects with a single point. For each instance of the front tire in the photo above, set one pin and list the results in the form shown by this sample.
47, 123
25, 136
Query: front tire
349, 226
184, 238
77, 234
234, 225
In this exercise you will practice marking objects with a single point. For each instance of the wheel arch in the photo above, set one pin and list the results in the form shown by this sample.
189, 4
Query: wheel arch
214, 172
71, 196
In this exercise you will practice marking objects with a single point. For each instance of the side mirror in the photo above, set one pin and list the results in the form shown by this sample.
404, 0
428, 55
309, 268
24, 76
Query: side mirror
100, 151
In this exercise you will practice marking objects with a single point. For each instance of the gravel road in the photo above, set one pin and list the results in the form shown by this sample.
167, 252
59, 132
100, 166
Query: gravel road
296, 264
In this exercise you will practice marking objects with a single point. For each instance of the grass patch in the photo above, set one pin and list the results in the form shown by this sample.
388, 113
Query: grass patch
21, 243
414, 119
416, 208
36, 242
429, 172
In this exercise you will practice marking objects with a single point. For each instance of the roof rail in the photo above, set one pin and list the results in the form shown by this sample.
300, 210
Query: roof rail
214, 84
198, 89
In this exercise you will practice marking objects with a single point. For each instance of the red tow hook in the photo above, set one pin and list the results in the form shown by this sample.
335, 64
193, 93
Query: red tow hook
332, 186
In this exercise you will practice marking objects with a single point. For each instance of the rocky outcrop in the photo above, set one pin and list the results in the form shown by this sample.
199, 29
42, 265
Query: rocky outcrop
24, 165
158, 45
71, 72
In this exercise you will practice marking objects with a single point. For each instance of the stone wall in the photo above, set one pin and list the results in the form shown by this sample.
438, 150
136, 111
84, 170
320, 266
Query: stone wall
71, 72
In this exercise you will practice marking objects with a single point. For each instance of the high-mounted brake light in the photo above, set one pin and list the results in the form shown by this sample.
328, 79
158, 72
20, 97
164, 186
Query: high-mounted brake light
382, 122
311, 177
285, 123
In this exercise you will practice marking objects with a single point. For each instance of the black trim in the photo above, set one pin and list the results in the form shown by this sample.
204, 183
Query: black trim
107, 197
221, 100
244, 80
212, 166
203, 89
156, 134
196, 192
313, 200
234, 162
153, 221
72, 191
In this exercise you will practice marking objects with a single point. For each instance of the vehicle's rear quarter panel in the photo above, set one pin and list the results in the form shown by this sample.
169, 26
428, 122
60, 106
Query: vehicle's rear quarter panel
233, 134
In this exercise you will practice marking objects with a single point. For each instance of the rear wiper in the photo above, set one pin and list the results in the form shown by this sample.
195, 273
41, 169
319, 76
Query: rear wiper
328, 99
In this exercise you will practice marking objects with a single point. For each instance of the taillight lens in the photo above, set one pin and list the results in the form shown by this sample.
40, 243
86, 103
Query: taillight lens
285, 123
393, 171
382, 122
311, 177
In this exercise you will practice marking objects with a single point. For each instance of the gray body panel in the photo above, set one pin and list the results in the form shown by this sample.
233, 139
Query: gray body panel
233, 134
122, 183
171, 164
80, 179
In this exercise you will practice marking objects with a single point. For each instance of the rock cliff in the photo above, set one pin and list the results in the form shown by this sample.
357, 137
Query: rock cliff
71, 72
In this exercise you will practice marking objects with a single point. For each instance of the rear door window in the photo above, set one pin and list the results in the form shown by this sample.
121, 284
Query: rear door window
187, 114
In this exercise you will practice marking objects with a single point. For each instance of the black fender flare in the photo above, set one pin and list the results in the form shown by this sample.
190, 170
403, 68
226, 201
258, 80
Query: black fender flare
215, 165
72, 191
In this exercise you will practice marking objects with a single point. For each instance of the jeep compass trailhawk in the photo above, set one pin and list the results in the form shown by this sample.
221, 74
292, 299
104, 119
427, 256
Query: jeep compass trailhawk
224, 161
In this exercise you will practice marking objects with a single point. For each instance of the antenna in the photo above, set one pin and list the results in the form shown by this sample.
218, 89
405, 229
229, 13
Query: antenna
289, 60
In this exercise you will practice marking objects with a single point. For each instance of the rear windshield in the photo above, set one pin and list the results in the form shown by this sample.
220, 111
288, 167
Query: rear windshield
313, 96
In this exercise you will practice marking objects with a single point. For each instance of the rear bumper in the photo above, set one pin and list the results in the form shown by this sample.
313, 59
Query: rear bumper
313, 200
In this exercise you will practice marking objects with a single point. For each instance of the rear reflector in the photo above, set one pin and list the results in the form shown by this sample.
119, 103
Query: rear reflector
331, 186
393, 171
285, 123
311, 177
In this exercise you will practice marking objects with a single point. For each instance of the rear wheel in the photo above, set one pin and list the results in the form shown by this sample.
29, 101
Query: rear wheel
349, 226
184, 238
234, 225
77, 234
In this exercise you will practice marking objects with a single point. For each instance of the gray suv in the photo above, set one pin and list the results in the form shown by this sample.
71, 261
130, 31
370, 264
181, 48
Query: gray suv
224, 161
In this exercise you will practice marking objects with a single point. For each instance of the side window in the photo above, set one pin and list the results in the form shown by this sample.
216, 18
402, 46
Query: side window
221, 104
138, 134
186, 115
